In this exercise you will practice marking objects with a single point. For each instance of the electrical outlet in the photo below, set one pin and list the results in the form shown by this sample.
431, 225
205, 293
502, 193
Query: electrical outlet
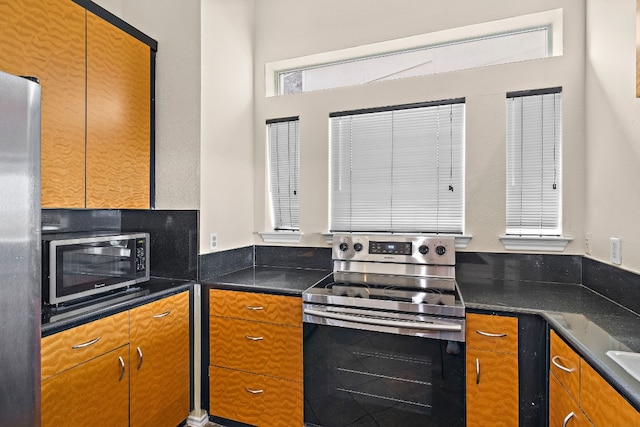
615, 250
587, 244
213, 241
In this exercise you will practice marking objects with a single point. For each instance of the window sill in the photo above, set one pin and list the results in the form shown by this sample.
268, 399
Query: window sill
535, 243
281, 236
461, 241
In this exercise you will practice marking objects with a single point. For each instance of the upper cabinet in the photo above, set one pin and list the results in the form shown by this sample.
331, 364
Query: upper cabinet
46, 39
118, 117
96, 102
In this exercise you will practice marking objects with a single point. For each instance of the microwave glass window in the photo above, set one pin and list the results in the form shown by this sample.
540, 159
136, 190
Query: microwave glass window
95, 263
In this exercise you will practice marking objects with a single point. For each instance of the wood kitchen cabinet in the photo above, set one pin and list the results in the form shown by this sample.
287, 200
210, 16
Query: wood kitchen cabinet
255, 375
46, 39
118, 118
595, 401
96, 102
128, 369
492, 370
160, 373
85, 374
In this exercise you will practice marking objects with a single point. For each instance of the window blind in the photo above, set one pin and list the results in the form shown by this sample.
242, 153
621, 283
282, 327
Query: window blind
400, 169
534, 140
283, 146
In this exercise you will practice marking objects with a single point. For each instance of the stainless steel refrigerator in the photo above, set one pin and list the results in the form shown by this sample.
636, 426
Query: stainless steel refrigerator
19, 251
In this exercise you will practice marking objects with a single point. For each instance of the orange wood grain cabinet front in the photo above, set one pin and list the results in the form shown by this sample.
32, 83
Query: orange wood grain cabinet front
118, 118
565, 365
160, 362
258, 347
492, 370
278, 309
46, 39
563, 409
69, 348
602, 404
255, 399
93, 393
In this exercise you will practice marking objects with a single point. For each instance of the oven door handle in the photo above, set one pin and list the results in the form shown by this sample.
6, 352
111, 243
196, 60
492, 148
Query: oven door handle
444, 327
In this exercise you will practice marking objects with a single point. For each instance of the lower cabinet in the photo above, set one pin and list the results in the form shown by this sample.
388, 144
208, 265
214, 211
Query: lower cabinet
563, 410
255, 354
93, 393
128, 369
492, 371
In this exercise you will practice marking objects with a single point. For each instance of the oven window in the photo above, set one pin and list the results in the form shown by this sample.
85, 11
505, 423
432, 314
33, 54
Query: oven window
361, 378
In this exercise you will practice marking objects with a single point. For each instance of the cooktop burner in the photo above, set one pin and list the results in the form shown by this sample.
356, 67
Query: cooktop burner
421, 296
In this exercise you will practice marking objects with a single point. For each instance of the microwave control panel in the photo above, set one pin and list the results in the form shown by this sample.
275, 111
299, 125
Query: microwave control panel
141, 254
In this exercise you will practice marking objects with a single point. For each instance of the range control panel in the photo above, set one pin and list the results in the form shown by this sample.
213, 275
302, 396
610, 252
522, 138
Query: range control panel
401, 249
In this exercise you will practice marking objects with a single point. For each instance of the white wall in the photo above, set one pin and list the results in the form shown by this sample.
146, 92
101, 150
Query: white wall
176, 27
612, 131
317, 28
226, 186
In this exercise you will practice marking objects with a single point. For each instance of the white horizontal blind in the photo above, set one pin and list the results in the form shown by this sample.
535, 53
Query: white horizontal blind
284, 144
534, 141
398, 170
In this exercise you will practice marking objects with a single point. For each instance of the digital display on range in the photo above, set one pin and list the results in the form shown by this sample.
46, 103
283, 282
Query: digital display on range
390, 248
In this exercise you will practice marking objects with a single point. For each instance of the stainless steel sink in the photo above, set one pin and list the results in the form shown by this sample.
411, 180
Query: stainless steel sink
629, 361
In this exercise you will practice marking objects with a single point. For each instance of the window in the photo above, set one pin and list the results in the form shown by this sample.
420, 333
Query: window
518, 38
534, 142
398, 169
283, 146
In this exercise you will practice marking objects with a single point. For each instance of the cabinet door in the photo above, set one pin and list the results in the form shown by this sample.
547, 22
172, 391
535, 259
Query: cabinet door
160, 378
563, 410
118, 118
46, 39
93, 393
492, 389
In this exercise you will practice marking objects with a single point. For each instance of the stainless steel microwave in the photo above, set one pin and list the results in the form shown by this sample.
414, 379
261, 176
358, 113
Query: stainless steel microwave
80, 266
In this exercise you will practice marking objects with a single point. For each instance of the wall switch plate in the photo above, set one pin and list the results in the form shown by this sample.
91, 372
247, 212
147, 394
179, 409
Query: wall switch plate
213, 241
615, 251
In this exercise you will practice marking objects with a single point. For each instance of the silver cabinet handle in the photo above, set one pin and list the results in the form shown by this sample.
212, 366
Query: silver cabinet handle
254, 308
555, 362
250, 338
489, 334
477, 371
165, 314
85, 344
253, 391
567, 418
139, 358
121, 368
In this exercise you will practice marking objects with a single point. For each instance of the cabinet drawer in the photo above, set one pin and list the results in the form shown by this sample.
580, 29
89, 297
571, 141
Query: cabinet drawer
565, 365
562, 407
252, 306
262, 348
255, 399
492, 333
601, 403
66, 349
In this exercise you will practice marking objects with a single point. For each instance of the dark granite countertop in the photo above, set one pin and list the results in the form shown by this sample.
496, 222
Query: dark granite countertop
59, 319
591, 323
274, 280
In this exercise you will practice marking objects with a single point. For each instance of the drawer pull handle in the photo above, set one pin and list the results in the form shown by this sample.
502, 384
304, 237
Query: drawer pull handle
165, 314
557, 364
254, 308
567, 418
254, 391
489, 334
250, 338
85, 344
121, 368
139, 358
477, 371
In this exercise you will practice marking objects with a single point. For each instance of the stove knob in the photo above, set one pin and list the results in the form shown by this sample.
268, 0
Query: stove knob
441, 250
423, 249
344, 247
358, 247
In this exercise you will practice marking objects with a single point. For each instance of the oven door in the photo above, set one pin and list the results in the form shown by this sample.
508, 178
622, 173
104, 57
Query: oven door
356, 377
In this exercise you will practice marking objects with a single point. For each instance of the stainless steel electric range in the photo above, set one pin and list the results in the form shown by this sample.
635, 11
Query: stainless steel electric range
384, 342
